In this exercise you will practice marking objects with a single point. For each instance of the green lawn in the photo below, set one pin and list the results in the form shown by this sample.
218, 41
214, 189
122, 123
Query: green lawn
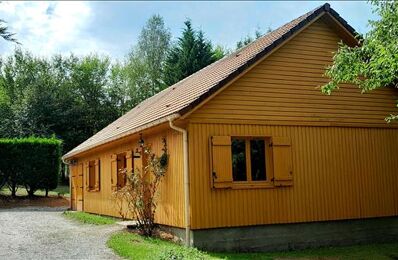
60, 190
373, 251
89, 218
133, 246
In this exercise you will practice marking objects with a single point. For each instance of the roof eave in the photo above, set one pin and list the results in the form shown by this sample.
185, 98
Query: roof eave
73, 153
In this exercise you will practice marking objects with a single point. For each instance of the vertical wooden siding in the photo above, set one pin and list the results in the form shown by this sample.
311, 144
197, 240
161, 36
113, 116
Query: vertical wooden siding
170, 204
338, 173
284, 89
73, 186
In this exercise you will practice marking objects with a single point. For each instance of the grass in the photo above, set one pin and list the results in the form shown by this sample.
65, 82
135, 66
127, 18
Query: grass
132, 246
88, 218
60, 190
373, 251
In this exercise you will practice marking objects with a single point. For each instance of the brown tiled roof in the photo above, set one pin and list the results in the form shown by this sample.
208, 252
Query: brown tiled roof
189, 92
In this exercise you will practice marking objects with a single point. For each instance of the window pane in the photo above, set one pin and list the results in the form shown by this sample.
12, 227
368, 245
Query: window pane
238, 159
257, 157
91, 175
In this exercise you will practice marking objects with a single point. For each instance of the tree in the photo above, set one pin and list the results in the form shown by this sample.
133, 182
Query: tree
5, 34
120, 94
248, 38
220, 51
89, 83
373, 63
145, 64
69, 97
191, 53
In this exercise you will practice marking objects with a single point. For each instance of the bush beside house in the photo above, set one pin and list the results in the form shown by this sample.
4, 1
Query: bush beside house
33, 163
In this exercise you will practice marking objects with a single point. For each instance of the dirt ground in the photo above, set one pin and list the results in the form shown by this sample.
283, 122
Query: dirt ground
38, 201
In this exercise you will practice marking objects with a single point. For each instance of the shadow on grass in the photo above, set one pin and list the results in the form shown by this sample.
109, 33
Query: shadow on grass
372, 251
132, 246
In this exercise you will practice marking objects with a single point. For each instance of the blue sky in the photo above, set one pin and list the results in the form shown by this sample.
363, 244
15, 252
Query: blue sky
111, 28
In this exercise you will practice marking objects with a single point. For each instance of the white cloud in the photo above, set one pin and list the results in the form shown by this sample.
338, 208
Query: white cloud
109, 28
46, 28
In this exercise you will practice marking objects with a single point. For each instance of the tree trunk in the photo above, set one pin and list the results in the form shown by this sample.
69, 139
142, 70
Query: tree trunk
31, 193
63, 173
13, 190
46, 192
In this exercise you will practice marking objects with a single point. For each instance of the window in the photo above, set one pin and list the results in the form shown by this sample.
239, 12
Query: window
121, 170
258, 160
93, 175
239, 159
248, 159
251, 162
121, 164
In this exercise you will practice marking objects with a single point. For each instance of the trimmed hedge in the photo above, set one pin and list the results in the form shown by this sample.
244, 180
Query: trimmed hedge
32, 162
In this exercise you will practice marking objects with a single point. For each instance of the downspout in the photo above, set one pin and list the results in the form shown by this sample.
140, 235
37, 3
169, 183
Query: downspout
65, 162
186, 182
70, 180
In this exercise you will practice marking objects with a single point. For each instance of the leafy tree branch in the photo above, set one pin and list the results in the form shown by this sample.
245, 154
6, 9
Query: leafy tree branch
373, 63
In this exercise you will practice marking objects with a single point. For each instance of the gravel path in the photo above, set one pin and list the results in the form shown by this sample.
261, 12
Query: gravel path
43, 233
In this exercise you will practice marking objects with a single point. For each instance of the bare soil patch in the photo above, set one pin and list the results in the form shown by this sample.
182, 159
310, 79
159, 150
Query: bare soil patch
37, 201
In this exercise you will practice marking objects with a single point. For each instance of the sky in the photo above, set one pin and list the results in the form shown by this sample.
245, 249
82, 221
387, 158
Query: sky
111, 28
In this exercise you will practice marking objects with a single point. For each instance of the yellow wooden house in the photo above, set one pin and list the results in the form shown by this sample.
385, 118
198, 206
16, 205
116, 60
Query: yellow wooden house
259, 158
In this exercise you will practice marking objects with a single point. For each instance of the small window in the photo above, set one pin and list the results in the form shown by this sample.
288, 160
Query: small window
239, 159
91, 175
121, 170
249, 159
243, 162
257, 159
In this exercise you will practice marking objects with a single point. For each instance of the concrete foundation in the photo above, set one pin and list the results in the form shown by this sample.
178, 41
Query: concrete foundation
278, 237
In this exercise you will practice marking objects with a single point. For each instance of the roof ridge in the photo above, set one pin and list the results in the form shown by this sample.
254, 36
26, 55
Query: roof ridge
325, 6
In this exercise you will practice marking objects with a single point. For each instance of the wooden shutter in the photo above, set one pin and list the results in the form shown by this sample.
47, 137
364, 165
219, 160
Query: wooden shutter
87, 175
97, 174
282, 161
114, 172
221, 161
129, 164
129, 161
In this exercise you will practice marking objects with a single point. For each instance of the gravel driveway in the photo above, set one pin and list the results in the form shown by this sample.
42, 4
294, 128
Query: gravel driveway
43, 233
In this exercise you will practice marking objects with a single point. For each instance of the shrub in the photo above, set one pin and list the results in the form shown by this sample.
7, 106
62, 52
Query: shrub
141, 190
30, 162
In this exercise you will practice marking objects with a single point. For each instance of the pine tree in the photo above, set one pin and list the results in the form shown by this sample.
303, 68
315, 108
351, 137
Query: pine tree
191, 53
5, 34
248, 39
